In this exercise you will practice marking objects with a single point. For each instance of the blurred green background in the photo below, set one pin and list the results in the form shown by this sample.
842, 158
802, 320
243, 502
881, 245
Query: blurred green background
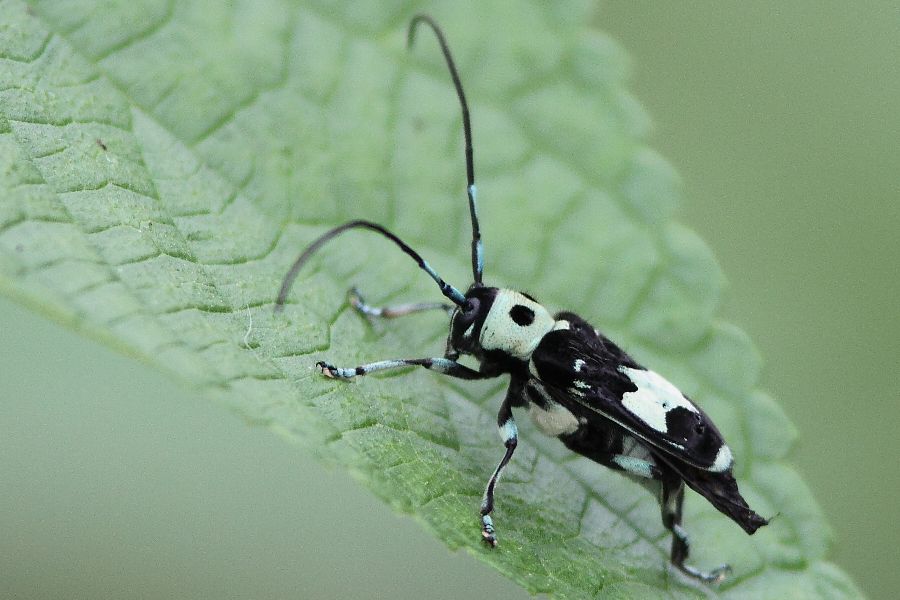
784, 124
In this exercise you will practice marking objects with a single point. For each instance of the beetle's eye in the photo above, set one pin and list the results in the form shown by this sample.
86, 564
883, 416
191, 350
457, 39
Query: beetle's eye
522, 315
470, 309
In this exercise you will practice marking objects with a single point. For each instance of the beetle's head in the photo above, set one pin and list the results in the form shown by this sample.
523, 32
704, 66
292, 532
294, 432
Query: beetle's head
500, 320
468, 319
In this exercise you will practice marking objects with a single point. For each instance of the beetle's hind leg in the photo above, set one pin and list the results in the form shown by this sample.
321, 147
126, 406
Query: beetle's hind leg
392, 312
671, 505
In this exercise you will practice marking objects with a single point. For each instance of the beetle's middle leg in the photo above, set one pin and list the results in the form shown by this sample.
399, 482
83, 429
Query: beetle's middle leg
392, 312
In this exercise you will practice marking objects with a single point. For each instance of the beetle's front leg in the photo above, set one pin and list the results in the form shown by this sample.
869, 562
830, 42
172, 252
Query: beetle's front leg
510, 435
438, 364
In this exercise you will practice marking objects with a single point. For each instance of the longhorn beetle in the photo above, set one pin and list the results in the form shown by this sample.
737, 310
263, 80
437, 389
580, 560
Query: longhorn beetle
574, 383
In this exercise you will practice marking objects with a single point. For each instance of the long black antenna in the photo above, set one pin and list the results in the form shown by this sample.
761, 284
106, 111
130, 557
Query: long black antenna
448, 290
477, 246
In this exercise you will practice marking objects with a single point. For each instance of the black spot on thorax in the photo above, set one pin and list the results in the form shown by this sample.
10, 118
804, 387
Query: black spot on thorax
522, 315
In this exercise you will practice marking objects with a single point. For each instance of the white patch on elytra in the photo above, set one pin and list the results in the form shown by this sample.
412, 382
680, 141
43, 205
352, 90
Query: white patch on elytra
578, 364
500, 332
553, 418
655, 396
723, 461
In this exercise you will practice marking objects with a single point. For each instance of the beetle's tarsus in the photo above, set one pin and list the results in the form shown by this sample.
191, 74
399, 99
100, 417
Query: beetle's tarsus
327, 370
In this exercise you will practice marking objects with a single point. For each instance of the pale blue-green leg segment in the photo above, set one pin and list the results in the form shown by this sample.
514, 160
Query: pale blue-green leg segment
635, 466
392, 312
671, 505
441, 365
510, 436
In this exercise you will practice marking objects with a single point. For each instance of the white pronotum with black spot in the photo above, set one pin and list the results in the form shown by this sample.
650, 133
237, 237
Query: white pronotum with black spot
574, 383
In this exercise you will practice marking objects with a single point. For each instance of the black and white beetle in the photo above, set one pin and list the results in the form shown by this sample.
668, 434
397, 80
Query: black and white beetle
575, 383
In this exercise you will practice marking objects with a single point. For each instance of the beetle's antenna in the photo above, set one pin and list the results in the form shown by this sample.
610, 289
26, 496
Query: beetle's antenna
448, 290
477, 246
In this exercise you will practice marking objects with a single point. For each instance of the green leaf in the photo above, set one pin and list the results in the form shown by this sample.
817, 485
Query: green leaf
161, 164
